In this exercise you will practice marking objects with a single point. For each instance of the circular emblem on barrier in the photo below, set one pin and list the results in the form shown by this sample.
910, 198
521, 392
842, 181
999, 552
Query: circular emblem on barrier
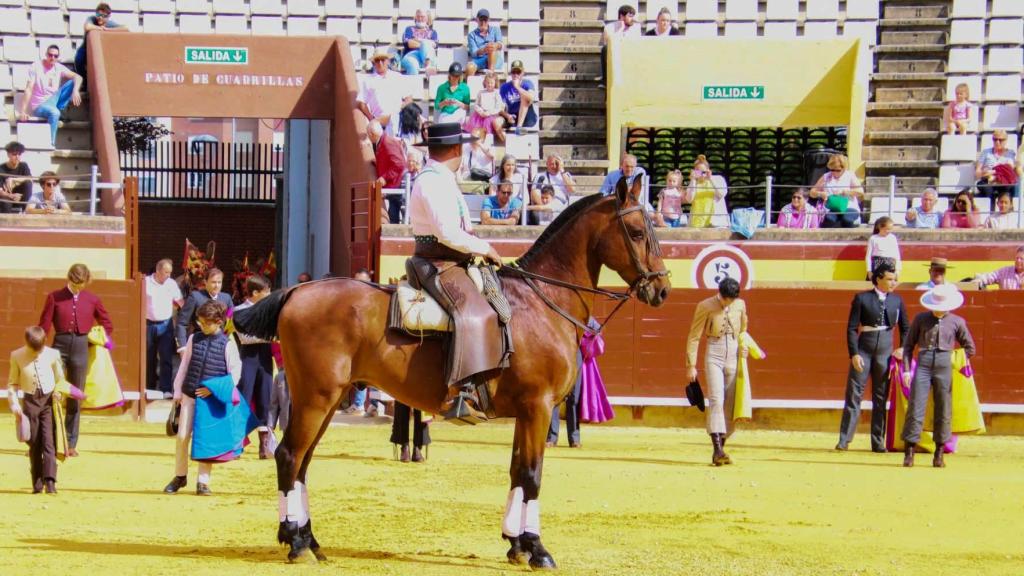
718, 262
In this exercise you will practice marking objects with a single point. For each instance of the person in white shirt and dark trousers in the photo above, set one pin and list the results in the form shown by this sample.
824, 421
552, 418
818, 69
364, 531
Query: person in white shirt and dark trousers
883, 246
257, 365
162, 297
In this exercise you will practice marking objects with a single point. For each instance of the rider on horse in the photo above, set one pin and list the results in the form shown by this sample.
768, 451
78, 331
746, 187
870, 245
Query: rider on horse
444, 248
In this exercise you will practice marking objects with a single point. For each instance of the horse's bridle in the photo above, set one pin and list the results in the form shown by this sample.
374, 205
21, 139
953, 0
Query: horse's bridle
643, 279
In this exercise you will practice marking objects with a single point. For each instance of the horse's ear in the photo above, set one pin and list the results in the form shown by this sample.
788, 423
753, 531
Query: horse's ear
621, 189
637, 189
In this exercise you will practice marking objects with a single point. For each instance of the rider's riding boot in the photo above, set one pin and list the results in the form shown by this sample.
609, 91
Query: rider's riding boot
461, 406
908, 455
718, 456
937, 461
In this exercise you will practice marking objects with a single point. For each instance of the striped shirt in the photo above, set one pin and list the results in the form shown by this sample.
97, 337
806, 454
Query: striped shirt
1007, 278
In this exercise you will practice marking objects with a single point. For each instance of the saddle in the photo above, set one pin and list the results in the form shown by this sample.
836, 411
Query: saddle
461, 303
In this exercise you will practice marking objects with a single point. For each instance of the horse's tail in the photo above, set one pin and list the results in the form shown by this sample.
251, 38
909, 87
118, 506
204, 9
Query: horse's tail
260, 320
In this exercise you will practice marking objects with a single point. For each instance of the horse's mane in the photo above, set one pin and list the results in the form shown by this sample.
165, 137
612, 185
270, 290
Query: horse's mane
561, 221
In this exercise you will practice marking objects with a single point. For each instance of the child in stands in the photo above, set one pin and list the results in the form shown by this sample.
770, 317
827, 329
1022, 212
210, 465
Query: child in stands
959, 111
670, 200
487, 110
883, 245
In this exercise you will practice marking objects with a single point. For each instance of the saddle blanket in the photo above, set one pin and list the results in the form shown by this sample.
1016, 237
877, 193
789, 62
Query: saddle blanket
420, 312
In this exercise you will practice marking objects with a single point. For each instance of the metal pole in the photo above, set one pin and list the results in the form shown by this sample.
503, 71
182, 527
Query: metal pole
768, 200
524, 198
647, 190
408, 193
892, 194
92, 189
1020, 206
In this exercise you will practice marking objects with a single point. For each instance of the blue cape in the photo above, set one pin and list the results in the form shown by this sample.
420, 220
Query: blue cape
222, 422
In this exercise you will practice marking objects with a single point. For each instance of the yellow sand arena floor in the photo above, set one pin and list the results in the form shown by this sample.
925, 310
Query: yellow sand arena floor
631, 501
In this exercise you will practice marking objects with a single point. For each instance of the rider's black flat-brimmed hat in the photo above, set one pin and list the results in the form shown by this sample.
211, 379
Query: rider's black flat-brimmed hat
447, 134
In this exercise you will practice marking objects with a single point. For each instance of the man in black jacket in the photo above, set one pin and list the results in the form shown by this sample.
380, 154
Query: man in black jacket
873, 315
196, 298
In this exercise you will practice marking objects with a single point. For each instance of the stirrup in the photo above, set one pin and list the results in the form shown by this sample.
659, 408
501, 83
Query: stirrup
463, 412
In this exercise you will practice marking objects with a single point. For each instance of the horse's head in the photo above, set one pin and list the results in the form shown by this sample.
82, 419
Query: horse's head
629, 246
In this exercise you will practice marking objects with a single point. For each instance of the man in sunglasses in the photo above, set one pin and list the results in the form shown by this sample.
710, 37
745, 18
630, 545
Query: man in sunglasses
50, 200
51, 87
98, 22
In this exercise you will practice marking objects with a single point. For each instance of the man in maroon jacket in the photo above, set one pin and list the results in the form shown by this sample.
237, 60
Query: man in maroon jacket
72, 312
390, 161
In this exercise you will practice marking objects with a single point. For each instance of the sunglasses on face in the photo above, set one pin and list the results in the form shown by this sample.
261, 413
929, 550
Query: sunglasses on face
52, 56
999, 139
49, 184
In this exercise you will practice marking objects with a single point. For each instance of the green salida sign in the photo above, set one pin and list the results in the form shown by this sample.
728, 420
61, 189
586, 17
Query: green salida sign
751, 92
216, 55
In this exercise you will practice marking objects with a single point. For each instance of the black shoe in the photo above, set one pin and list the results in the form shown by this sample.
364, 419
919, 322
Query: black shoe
203, 490
937, 461
417, 455
841, 447
405, 456
176, 483
879, 450
51, 487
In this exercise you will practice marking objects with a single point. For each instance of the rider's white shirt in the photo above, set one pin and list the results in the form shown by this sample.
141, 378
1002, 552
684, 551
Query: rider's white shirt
437, 208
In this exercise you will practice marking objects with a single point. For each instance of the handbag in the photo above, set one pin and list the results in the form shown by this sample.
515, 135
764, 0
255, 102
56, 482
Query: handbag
695, 395
477, 174
837, 203
171, 428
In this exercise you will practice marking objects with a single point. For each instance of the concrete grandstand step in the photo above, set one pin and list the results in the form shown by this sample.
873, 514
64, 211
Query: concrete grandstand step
904, 23
901, 136
890, 65
902, 108
572, 38
575, 65
894, 165
572, 134
573, 25
905, 94
910, 77
565, 94
546, 78
900, 153
903, 183
596, 166
570, 49
566, 107
575, 13
910, 49
577, 152
586, 183
914, 123
915, 38
560, 122
913, 11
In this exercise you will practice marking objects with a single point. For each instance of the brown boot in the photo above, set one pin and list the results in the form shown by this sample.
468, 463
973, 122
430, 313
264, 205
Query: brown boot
718, 456
728, 460
265, 445
417, 455
405, 454
461, 406
908, 455
937, 461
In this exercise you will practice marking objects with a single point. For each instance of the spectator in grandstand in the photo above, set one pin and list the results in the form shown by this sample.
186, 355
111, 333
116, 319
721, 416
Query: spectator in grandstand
382, 94
935, 334
995, 169
874, 315
49, 200
487, 109
72, 311
964, 213
663, 25
936, 274
477, 159
187, 315
452, 99
503, 208
485, 45
798, 214
507, 172
257, 380
627, 168
99, 22
547, 208
15, 178
1009, 277
1004, 217
926, 216
36, 369
625, 27
670, 201
389, 160
413, 163
883, 246
960, 112
518, 94
721, 318
558, 177
410, 125
842, 192
419, 43
49, 90
162, 297
706, 195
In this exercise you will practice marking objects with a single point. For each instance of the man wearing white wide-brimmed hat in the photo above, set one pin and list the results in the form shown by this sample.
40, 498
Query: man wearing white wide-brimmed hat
935, 334
382, 93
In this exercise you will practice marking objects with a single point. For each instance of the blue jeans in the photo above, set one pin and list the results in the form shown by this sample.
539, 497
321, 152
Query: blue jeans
51, 109
359, 398
159, 345
418, 58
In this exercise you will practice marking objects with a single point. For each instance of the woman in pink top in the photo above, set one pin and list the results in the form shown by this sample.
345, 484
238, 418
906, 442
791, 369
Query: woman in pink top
963, 214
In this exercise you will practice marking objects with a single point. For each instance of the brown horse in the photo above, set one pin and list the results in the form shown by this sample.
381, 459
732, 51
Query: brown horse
333, 333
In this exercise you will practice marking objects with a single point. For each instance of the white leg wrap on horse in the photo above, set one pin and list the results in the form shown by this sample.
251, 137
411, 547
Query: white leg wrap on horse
282, 506
296, 511
531, 517
512, 524
305, 499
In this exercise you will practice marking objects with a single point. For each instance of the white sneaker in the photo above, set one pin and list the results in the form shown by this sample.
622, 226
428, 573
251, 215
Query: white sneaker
354, 410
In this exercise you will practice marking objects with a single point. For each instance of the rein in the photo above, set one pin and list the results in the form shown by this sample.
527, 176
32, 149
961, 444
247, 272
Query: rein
642, 280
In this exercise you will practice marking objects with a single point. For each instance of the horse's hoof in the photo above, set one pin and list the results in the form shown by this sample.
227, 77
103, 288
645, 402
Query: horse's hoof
539, 557
304, 556
542, 561
516, 554
320, 556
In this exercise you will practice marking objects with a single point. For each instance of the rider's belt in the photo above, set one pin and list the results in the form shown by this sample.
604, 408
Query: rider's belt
429, 247
875, 328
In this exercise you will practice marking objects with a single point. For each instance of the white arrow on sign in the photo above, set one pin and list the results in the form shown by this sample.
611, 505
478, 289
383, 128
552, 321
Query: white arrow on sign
756, 92
238, 56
